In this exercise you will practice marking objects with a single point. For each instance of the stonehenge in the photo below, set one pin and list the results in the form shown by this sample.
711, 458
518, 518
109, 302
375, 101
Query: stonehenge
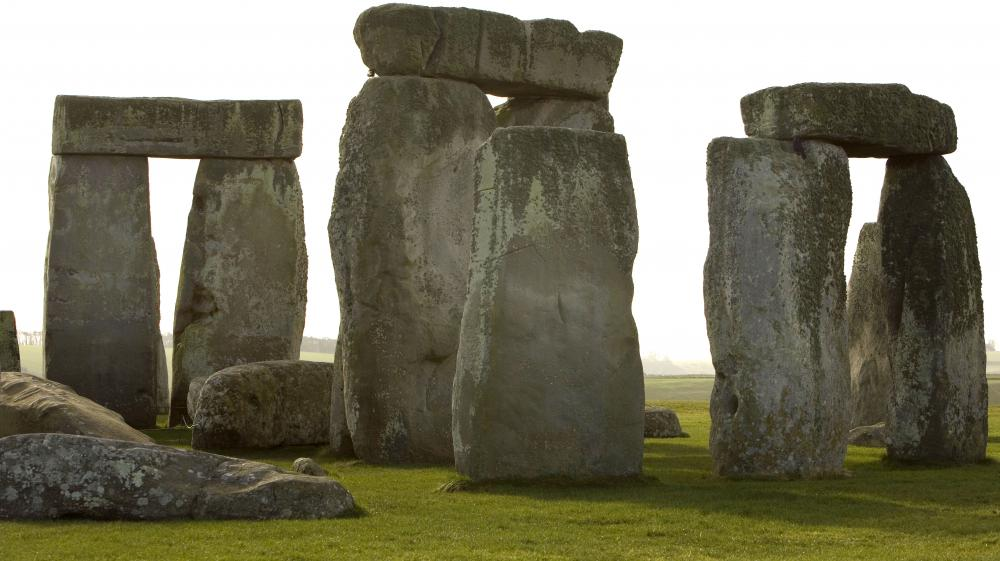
775, 307
10, 353
913, 342
242, 291
548, 380
264, 405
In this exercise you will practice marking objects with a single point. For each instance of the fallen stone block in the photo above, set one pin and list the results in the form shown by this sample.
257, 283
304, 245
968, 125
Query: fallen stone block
549, 381
660, 422
400, 235
29, 404
501, 54
934, 300
775, 307
102, 284
165, 127
242, 293
264, 405
308, 466
48, 476
866, 120
872, 436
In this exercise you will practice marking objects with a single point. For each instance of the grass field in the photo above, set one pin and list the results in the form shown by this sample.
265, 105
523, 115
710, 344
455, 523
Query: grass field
682, 512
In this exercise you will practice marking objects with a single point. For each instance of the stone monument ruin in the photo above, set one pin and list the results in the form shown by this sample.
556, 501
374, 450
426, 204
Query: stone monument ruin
10, 353
786, 348
242, 291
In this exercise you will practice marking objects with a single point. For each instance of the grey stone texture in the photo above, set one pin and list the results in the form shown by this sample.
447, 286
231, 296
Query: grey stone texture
308, 466
242, 292
48, 476
935, 314
660, 422
162, 381
586, 114
501, 54
775, 305
10, 353
177, 128
549, 381
340, 433
30, 404
867, 120
871, 436
264, 405
868, 332
400, 236
102, 288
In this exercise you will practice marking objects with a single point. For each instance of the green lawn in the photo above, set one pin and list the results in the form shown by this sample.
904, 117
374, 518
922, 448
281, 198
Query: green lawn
681, 512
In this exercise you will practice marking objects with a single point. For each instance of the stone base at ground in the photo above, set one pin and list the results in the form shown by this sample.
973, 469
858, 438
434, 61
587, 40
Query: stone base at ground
660, 422
549, 381
934, 299
264, 405
775, 307
48, 476
29, 404
242, 293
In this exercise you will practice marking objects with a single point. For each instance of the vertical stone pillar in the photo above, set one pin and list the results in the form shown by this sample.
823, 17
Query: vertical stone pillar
102, 288
549, 380
10, 353
935, 314
242, 291
868, 333
775, 307
399, 234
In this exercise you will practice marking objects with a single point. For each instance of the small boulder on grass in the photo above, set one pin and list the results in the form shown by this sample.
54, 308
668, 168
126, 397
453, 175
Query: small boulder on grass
308, 466
872, 436
660, 422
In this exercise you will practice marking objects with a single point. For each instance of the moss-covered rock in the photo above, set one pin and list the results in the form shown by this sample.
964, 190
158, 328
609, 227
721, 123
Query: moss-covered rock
499, 53
102, 284
775, 307
866, 120
935, 314
177, 128
400, 233
867, 332
549, 380
571, 113
242, 291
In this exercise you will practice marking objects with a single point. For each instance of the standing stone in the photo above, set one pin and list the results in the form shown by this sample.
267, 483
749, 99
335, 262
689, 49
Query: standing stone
868, 333
400, 235
549, 381
340, 434
264, 405
935, 314
242, 293
583, 114
102, 288
775, 307
162, 381
866, 120
501, 54
10, 354
177, 128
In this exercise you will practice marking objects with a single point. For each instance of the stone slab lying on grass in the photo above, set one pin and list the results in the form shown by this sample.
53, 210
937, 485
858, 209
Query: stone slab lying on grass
867, 120
868, 332
556, 112
935, 314
58, 476
264, 405
660, 422
499, 53
164, 127
871, 436
10, 353
30, 404
549, 380
775, 302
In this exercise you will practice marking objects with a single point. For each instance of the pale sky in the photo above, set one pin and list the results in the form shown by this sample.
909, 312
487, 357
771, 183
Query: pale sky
684, 68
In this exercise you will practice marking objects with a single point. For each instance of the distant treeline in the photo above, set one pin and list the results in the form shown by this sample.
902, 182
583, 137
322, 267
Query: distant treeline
309, 344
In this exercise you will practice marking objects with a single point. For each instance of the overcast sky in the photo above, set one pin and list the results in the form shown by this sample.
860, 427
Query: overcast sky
683, 71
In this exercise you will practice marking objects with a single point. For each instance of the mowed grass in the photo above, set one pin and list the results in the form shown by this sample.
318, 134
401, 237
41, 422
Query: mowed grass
682, 511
